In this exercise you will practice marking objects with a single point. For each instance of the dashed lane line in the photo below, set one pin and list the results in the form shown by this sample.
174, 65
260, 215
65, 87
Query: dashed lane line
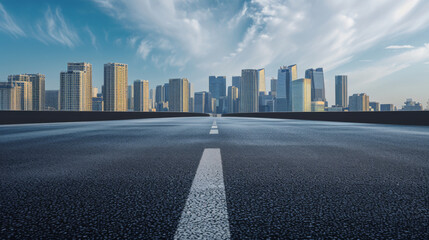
205, 214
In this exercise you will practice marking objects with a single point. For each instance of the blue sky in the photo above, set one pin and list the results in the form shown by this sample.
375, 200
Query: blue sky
382, 45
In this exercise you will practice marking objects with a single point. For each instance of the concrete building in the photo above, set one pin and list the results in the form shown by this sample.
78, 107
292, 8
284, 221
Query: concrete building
130, 97
94, 92
191, 104
71, 91
411, 105
249, 90
141, 96
52, 100
199, 102
233, 106
86, 68
38, 91
317, 83
301, 95
261, 81
115, 86
26, 90
285, 77
236, 82
97, 104
273, 87
341, 94
166, 92
178, 95
375, 106
217, 87
317, 106
387, 107
359, 102
10, 98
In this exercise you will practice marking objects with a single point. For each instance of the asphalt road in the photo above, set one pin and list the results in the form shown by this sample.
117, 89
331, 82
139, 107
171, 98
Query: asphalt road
281, 179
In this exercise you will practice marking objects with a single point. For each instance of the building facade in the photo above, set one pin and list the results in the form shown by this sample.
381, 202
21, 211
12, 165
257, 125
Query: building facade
301, 95
178, 95
52, 100
115, 86
359, 102
285, 76
10, 98
71, 91
141, 96
86, 68
341, 94
317, 83
249, 90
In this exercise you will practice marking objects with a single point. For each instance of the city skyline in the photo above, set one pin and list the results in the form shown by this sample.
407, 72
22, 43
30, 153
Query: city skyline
384, 61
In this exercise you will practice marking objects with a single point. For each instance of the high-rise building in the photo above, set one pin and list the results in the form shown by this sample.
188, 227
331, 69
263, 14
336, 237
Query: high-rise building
236, 82
97, 104
317, 83
130, 97
71, 91
387, 107
284, 88
191, 104
86, 68
166, 92
52, 100
199, 102
273, 87
141, 96
359, 102
26, 90
249, 90
10, 98
301, 95
38, 91
217, 87
159, 94
94, 92
411, 105
178, 95
261, 80
317, 106
232, 99
341, 95
115, 86
375, 106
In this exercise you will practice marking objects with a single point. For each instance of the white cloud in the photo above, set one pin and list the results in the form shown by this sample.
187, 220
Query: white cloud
144, 49
426, 62
390, 65
54, 29
399, 47
8, 25
224, 38
92, 36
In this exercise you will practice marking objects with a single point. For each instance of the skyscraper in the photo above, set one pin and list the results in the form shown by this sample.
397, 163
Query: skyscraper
273, 87
217, 87
178, 95
301, 95
38, 91
130, 97
52, 100
341, 95
86, 68
387, 107
10, 98
115, 86
232, 99
26, 90
261, 80
317, 83
359, 102
249, 90
375, 106
166, 92
284, 88
141, 96
199, 102
71, 91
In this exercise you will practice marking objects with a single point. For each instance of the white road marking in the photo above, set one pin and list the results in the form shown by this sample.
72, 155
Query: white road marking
205, 214
214, 129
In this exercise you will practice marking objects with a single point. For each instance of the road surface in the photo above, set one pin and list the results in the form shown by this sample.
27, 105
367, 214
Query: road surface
238, 178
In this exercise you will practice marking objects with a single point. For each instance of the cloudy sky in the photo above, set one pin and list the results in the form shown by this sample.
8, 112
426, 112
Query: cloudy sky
382, 45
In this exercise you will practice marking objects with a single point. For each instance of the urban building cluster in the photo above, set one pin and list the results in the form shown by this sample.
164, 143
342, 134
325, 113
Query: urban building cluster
248, 93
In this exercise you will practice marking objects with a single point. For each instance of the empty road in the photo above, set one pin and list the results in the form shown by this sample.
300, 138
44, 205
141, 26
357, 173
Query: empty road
214, 178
